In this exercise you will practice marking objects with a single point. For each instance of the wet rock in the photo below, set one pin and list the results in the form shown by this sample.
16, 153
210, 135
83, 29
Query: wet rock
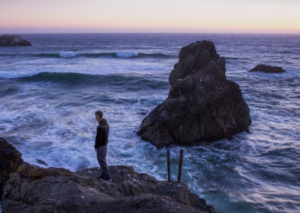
267, 69
35, 189
202, 104
40, 161
13, 40
10, 159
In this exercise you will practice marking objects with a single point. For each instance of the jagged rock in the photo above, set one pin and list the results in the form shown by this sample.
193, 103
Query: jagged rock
202, 104
13, 40
10, 159
35, 189
267, 69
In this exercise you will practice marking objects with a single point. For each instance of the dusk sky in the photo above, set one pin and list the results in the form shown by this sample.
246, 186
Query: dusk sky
180, 16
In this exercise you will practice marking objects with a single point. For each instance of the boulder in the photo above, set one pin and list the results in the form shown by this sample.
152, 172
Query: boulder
202, 104
13, 40
267, 69
10, 160
35, 189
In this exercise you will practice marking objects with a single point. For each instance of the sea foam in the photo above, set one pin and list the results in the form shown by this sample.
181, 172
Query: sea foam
67, 54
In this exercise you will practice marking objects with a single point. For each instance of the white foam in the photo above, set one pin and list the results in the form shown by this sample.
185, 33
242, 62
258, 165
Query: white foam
127, 54
67, 54
8, 75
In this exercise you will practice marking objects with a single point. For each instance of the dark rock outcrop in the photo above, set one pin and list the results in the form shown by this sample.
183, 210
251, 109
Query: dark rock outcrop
13, 40
10, 160
267, 69
202, 104
35, 189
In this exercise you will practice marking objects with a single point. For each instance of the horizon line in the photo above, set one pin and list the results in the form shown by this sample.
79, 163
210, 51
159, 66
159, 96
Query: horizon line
216, 33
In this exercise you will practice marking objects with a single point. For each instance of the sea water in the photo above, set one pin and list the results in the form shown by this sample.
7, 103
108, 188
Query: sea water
50, 91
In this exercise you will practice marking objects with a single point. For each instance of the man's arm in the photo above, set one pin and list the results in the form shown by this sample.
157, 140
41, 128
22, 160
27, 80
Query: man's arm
98, 138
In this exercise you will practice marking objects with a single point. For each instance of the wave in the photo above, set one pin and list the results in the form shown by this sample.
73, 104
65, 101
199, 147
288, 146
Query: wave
229, 58
78, 79
104, 55
232, 58
70, 54
286, 52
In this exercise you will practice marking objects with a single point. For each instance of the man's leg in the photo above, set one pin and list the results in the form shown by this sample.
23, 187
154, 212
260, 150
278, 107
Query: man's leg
101, 156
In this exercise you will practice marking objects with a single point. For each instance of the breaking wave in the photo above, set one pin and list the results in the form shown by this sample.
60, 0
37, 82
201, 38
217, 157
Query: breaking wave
74, 79
105, 55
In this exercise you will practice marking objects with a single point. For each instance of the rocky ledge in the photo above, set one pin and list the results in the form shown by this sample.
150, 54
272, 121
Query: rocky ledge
33, 189
202, 104
13, 40
267, 69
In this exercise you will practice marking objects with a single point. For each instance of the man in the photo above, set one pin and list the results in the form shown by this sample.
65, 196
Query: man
101, 146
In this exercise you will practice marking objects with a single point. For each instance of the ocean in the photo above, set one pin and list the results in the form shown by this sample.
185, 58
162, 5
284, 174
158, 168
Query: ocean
50, 91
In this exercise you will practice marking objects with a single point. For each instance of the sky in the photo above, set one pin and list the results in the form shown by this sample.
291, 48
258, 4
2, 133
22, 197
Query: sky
150, 16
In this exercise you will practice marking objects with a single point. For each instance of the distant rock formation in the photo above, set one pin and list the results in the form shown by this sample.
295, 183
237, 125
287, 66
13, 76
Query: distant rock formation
202, 104
13, 40
35, 189
267, 69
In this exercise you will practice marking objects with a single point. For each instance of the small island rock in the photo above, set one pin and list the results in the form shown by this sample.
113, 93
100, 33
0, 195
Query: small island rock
267, 69
13, 40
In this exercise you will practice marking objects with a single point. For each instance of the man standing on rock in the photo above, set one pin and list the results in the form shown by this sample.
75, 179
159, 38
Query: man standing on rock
101, 145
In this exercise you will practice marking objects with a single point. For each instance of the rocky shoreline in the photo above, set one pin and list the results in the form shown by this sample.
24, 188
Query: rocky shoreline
30, 188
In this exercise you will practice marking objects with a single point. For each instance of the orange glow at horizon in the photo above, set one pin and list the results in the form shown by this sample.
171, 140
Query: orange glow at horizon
265, 16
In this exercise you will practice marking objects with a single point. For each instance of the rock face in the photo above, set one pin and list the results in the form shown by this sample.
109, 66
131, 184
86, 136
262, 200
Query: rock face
13, 40
202, 104
34, 189
267, 69
10, 160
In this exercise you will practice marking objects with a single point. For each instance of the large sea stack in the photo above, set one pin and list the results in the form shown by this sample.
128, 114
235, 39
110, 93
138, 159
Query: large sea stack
202, 104
13, 40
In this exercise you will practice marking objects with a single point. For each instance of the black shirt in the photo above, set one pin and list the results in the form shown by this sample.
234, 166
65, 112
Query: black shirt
102, 134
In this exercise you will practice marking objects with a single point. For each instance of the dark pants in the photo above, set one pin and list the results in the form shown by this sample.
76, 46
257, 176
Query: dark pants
101, 156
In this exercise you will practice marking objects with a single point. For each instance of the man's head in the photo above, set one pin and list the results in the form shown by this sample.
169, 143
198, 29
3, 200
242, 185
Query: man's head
99, 115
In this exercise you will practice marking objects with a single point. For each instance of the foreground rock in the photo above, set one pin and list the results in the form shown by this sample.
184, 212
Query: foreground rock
10, 160
35, 189
202, 104
13, 40
267, 69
